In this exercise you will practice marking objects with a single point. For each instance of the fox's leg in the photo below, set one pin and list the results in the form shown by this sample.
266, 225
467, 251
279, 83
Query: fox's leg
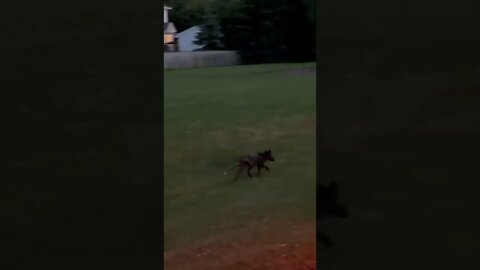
259, 167
248, 171
266, 168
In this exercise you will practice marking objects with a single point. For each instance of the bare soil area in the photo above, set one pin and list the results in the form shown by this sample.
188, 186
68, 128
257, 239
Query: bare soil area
276, 245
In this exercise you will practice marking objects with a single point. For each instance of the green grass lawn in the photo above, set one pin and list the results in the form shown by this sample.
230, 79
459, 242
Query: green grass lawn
215, 115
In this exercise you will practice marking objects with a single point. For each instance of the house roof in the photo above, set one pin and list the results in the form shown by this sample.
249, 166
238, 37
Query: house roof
189, 31
169, 27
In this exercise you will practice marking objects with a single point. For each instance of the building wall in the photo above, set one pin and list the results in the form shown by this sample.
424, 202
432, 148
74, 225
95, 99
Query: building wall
165, 15
179, 60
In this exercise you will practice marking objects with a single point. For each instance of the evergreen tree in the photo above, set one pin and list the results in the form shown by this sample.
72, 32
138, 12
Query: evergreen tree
210, 35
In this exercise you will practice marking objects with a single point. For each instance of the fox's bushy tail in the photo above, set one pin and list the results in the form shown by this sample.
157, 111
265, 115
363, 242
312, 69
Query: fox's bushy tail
231, 168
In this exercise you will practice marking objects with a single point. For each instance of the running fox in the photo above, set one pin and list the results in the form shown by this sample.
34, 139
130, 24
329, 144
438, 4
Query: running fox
249, 162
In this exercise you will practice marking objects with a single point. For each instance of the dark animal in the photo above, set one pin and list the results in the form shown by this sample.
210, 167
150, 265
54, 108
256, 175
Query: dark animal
249, 162
328, 205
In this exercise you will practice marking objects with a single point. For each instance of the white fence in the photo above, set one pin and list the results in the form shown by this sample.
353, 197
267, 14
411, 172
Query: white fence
178, 60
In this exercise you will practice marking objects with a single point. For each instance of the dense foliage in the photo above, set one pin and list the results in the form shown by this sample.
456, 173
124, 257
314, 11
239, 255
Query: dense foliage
375, 36
261, 30
210, 36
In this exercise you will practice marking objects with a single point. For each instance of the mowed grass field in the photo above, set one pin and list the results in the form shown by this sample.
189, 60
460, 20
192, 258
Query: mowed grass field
212, 117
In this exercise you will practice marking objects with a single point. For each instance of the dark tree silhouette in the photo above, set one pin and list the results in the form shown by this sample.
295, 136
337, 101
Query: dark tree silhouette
210, 36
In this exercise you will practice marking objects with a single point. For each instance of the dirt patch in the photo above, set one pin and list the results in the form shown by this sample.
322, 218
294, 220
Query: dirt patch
280, 245
275, 129
222, 139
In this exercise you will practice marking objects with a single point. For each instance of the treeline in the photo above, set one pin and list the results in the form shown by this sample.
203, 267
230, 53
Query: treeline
378, 37
263, 31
